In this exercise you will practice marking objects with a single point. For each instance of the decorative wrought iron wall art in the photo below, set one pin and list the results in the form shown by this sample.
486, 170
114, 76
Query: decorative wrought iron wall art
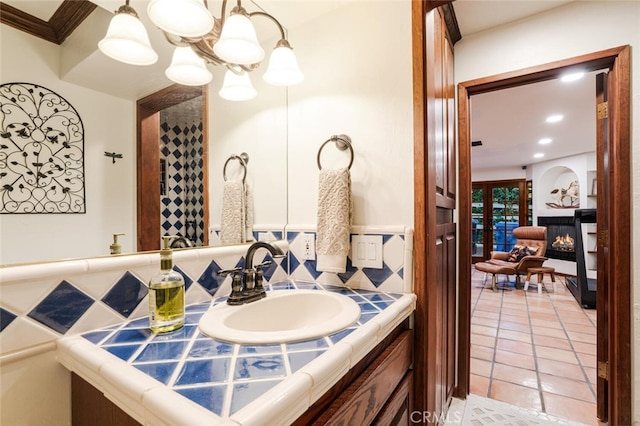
41, 152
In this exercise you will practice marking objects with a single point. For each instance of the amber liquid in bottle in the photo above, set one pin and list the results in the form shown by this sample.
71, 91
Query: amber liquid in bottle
166, 306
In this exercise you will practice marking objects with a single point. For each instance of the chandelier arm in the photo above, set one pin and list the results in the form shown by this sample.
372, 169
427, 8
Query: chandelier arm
178, 42
266, 15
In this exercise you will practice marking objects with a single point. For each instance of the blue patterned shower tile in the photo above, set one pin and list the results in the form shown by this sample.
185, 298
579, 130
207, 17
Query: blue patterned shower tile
298, 360
257, 367
214, 370
161, 371
6, 318
245, 393
62, 308
210, 397
124, 352
126, 294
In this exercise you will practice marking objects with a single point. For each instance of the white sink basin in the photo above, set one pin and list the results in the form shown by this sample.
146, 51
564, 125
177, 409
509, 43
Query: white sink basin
283, 316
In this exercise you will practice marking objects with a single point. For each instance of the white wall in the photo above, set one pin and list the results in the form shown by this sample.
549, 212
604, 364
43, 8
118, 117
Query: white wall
358, 82
506, 173
109, 193
578, 28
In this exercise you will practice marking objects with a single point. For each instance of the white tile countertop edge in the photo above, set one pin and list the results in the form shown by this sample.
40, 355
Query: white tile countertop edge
152, 403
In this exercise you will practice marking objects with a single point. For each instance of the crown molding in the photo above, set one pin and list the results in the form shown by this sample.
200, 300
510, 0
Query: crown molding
64, 21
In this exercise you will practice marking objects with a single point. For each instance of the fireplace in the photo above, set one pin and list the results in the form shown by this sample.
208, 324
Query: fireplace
561, 235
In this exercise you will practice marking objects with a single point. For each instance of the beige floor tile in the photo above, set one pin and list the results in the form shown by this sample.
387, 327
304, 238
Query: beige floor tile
482, 352
552, 342
549, 332
586, 348
481, 367
588, 360
515, 394
478, 339
570, 408
514, 335
515, 346
515, 359
479, 385
566, 387
515, 375
524, 328
558, 355
561, 369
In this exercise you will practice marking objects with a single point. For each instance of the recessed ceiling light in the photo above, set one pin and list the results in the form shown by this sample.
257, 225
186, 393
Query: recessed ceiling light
538, 155
544, 141
554, 118
567, 78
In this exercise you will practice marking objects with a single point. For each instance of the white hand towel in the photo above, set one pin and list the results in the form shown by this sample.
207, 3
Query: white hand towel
233, 226
334, 220
248, 212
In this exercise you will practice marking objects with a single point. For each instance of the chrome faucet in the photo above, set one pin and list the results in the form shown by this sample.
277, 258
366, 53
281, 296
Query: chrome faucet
249, 288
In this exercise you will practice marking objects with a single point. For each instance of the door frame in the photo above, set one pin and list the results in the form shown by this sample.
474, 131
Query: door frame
148, 160
617, 61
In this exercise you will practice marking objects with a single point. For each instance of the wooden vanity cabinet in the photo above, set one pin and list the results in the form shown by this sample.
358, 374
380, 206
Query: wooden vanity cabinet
377, 391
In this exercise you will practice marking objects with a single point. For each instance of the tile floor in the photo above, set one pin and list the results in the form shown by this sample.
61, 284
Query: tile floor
535, 351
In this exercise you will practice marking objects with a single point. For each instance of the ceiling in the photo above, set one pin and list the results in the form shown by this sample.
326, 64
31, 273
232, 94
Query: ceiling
508, 122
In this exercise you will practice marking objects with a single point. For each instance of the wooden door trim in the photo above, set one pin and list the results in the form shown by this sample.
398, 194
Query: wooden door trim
618, 60
148, 160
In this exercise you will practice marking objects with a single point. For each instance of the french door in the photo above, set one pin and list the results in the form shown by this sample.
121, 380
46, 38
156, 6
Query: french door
498, 207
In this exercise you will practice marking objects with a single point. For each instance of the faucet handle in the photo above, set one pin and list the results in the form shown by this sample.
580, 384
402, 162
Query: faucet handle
262, 265
233, 271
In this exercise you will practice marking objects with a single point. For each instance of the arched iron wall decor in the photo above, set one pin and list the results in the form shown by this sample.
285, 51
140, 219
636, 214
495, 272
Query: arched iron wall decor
41, 152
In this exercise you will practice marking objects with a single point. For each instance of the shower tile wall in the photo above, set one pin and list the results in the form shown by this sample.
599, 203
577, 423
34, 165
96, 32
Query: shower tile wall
183, 201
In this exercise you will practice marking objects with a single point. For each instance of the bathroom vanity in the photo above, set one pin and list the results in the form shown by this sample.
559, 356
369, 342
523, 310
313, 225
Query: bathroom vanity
126, 375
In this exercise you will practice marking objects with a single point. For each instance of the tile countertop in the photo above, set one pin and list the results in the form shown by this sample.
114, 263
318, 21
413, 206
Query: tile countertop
186, 377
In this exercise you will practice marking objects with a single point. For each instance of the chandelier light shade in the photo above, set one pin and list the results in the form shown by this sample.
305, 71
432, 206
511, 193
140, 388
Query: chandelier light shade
238, 43
127, 40
237, 87
188, 68
283, 67
185, 18
201, 39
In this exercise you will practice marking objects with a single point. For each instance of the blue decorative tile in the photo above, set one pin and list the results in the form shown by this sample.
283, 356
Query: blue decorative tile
244, 393
214, 370
123, 352
365, 318
376, 297
187, 280
401, 273
96, 337
210, 279
277, 234
210, 397
283, 286
62, 308
385, 238
349, 271
209, 347
261, 349
182, 333
335, 338
378, 276
310, 265
368, 308
256, 367
383, 305
136, 335
308, 286
162, 350
293, 263
298, 360
306, 345
126, 294
161, 371
292, 236
6, 318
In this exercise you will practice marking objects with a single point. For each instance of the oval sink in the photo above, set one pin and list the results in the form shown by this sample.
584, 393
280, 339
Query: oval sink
283, 316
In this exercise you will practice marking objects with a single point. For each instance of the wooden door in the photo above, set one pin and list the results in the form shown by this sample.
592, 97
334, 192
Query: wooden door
435, 240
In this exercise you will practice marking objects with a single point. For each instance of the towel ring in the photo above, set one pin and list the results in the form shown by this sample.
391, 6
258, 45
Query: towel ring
342, 142
242, 158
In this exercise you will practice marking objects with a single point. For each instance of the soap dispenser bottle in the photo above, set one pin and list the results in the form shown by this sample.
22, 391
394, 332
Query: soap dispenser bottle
115, 248
166, 294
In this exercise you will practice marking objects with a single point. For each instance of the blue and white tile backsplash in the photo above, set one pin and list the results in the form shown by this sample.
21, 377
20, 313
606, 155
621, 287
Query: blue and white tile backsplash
41, 302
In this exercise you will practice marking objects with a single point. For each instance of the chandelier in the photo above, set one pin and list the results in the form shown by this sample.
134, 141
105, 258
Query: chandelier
199, 39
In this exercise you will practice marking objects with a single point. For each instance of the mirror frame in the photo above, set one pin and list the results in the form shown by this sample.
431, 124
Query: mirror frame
148, 160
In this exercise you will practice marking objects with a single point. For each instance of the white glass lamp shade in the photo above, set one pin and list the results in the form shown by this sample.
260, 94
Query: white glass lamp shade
127, 41
283, 68
238, 43
188, 68
237, 87
187, 18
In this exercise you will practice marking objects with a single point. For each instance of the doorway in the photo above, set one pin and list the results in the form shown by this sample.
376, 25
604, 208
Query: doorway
155, 205
614, 337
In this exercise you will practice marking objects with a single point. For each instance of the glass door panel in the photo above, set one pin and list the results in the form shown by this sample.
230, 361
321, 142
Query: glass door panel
477, 222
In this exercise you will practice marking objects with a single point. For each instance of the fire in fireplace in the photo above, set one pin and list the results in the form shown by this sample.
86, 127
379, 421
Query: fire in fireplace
563, 243
561, 233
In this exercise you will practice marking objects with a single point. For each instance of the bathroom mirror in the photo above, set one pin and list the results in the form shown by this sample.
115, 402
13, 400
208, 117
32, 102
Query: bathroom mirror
90, 82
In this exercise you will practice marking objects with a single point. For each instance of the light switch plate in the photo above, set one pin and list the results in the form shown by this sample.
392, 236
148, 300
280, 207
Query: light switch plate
366, 251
